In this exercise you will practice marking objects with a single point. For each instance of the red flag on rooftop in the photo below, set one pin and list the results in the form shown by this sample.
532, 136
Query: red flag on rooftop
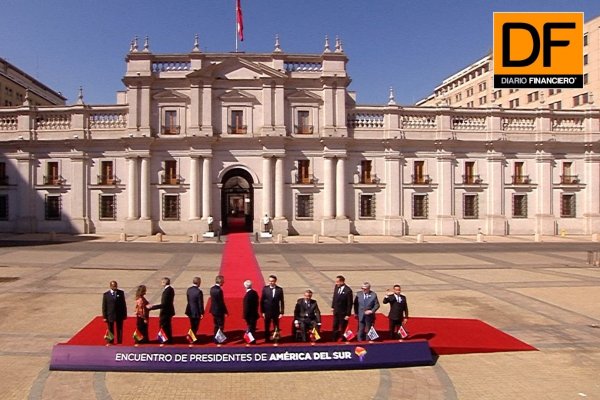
240, 20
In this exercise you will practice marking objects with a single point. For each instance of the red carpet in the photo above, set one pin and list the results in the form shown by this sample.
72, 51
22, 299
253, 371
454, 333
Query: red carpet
445, 335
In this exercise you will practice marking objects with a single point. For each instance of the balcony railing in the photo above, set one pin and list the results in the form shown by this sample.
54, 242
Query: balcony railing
170, 129
303, 129
108, 180
569, 179
421, 179
369, 180
521, 180
54, 180
305, 180
471, 179
170, 180
237, 129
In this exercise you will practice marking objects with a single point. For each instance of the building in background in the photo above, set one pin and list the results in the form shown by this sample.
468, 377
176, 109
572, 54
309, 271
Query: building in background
16, 85
473, 86
241, 136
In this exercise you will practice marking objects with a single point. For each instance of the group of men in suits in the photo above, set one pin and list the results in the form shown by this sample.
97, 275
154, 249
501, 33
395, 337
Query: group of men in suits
271, 303
365, 304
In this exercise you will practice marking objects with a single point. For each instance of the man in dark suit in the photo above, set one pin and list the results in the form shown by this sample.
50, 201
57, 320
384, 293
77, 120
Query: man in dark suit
250, 308
195, 304
218, 309
271, 305
398, 314
365, 305
341, 306
114, 310
167, 309
307, 314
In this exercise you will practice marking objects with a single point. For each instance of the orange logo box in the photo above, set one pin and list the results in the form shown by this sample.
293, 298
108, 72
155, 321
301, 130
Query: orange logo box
538, 50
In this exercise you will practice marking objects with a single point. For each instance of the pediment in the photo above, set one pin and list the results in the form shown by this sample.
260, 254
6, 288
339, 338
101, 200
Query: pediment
171, 95
237, 68
239, 96
303, 96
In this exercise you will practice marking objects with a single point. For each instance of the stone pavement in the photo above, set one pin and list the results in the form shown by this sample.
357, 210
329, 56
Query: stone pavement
545, 294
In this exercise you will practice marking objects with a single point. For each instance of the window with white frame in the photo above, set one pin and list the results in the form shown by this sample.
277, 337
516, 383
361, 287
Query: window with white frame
470, 206
304, 176
52, 207
419, 206
170, 207
236, 122
366, 205
304, 206
108, 207
567, 206
170, 123
519, 206
304, 125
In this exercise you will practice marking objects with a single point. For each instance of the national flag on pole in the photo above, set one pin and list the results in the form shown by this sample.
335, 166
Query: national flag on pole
239, 20
276, 335
349, 335
191, 337
162, 336
372, 334
248, 337
314, 335
220, 336
402, 332
137, 336
108, 336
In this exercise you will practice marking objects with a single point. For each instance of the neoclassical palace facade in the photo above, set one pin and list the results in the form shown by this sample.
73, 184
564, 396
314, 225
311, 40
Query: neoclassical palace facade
238, 136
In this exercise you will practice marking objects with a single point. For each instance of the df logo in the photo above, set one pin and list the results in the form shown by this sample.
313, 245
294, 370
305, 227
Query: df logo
538, 50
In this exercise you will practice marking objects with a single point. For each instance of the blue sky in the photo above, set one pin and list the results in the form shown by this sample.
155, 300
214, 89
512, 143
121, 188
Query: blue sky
410, 45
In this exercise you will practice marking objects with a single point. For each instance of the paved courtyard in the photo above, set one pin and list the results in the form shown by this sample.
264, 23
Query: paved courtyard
544, 293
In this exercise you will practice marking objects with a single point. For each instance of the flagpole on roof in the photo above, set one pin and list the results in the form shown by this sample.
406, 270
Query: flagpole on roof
236, 25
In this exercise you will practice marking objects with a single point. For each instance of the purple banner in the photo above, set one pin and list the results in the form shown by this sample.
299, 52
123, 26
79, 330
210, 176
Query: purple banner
239, 359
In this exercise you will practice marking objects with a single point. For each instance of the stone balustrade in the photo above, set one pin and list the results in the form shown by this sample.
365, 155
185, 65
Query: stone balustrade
302, 66
169, 66
368, 120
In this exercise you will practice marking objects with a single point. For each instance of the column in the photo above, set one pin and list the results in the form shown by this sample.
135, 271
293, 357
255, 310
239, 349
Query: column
145, 111
145, 188
79, 201
340, 107
195, 111
134, 112
194, 186
207, 109
393, 177
544, 180
340, 188
267, 107
328, 189
26, 220
495, 217
267, 186
206, 187
445, 219
279, 187
328, 106
279, 104
545, 219
132, 189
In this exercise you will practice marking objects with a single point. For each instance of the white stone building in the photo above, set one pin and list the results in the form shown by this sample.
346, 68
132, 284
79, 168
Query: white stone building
238, 136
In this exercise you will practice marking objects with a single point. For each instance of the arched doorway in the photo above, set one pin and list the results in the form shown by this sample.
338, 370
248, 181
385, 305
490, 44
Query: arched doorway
237, 201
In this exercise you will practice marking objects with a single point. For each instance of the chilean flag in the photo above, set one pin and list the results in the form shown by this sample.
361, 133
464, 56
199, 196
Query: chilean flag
240, 20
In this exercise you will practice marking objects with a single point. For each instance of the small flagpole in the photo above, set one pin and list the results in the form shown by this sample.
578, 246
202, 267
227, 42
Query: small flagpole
236, 26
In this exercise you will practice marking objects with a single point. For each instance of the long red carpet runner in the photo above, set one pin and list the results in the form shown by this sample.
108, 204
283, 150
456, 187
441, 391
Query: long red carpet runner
445, 335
